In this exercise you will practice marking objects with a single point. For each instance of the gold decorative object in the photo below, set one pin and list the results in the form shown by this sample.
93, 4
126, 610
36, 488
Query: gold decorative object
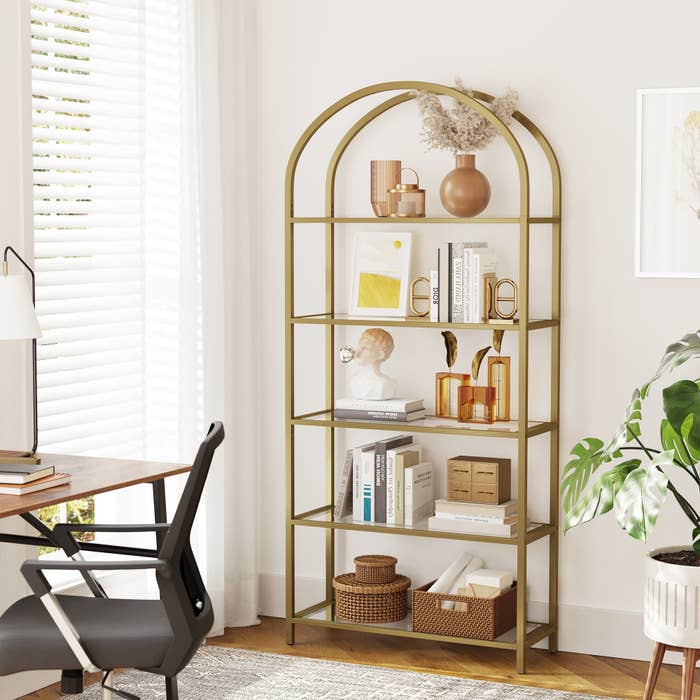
447, 384
413, 296
384, 175
478, 358
489, 281
450, 348
465, 191
406, 199
477, 404
498, 298
499, 379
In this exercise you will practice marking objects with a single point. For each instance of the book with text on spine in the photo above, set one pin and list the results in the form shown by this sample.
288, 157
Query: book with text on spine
388, 416
419, 494
391, 405
380, 450
396, 462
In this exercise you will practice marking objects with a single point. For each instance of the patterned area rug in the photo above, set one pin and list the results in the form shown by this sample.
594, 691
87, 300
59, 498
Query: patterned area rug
218, 673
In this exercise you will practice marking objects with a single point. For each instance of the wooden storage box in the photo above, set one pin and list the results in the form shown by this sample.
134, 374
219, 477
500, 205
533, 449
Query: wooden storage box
478, 480
481, 618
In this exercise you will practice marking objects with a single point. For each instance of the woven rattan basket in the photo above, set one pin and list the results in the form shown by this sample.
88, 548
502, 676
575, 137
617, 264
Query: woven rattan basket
356, 601
479, 618
375, 568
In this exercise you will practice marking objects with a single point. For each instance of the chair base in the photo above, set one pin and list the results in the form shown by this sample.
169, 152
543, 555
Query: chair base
171, 689
72, 682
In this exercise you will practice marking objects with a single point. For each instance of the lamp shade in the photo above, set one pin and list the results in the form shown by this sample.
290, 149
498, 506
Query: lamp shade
17, 314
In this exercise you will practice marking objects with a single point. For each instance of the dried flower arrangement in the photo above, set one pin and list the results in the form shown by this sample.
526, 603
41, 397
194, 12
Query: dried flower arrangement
461, 129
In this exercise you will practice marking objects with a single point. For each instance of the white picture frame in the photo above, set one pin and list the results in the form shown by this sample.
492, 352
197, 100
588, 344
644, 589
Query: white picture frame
380, 274
667, 231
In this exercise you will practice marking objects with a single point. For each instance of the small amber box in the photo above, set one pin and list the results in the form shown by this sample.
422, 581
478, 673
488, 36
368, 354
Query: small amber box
478, 480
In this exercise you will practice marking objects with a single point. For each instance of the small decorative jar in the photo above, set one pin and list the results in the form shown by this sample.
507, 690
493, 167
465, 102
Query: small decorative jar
477, 404
406, 200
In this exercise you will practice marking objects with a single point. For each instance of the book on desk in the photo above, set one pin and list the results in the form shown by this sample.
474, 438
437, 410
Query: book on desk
21, 479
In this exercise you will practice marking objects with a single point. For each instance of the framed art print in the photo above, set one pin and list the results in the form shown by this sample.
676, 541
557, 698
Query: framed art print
668, 183
381, 266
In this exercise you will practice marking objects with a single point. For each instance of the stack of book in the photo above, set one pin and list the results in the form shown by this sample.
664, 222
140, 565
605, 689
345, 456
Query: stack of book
386, 482
21, 479
389, 411
476, 518
459, 284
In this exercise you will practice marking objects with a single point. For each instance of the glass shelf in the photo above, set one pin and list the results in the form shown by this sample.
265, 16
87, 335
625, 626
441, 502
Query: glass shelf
323, 518
430, 424
421, 220
323, 615
339, 319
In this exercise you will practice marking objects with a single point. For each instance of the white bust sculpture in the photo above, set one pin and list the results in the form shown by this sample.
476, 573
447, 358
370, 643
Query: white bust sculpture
374, 347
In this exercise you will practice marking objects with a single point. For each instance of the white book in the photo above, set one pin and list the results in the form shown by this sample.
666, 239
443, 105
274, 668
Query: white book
490, 520
419, 490
476, 288
368, 485
396, 462
434, 296
397, 405
357, 504
472, 528
467, 255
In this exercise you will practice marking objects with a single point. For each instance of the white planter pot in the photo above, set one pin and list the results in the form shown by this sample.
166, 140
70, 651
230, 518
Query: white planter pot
672, 601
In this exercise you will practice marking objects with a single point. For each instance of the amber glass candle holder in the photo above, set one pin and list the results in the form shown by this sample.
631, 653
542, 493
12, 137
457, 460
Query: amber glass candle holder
477, 404
406, 199
447, 386
499, 379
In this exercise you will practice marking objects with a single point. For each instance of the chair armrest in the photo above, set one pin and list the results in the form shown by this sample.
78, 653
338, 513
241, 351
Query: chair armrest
62, 532
33, 569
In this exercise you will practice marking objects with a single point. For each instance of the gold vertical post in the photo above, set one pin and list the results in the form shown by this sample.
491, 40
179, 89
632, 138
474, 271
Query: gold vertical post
289, 404
330, 377
523, 365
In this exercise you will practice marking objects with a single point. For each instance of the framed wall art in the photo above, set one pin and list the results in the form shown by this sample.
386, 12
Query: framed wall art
381, 267
668, 183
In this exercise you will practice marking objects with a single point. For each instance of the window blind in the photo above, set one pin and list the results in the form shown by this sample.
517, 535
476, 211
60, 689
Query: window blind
116, 240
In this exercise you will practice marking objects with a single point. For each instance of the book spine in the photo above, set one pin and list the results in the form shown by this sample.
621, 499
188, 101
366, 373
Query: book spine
467, 284
476, 290
344, 498
390, 486
367, 486
380, 483
408, 497
391, 416
357, 505
395, 405
434, 296
457, 282
474, 518
444, 281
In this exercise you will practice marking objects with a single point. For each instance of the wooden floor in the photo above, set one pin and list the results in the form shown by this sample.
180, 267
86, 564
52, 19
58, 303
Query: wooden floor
596, 675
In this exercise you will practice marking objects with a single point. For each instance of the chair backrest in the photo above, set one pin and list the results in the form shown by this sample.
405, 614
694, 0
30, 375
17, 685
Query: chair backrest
183, 594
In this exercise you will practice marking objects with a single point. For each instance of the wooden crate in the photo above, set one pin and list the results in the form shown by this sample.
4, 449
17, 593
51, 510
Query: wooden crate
478, 480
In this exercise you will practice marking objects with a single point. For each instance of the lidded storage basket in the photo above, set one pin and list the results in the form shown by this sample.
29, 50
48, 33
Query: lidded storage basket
375, 568
374, 593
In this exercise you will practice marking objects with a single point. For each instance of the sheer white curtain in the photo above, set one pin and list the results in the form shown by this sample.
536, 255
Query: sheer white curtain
227, 530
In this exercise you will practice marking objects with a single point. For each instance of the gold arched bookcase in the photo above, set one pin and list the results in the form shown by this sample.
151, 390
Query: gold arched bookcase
526, 633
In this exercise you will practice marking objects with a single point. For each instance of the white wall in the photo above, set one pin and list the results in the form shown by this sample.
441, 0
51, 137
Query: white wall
14, 357
577, 68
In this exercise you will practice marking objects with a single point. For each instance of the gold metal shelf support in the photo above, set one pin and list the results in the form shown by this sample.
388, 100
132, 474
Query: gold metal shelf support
477, 101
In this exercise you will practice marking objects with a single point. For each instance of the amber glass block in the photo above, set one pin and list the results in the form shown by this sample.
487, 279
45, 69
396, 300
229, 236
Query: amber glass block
499, 379
477, 404
447, 386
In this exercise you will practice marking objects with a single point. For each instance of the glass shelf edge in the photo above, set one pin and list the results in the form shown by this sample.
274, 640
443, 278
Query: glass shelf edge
421, 220
416, 322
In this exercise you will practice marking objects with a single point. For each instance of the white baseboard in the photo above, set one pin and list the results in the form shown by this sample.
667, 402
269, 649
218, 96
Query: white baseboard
582, 630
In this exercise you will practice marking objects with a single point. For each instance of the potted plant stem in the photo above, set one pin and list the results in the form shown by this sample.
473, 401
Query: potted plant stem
632, 478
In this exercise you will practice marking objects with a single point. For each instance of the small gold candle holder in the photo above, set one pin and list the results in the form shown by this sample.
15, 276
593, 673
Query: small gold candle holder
406, 200
447, 386
477, 404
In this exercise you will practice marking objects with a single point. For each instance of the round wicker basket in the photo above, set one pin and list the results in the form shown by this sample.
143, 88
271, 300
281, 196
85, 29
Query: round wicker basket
375, 568
358, 601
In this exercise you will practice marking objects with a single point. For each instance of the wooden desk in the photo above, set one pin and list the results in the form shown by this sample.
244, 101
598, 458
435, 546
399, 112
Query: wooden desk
90, 476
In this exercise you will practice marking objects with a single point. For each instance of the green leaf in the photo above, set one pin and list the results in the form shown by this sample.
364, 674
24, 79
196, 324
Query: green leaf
600, 497
682, 408
671, 440
676, 354
638, 502
696, 540
630, 426
587, 457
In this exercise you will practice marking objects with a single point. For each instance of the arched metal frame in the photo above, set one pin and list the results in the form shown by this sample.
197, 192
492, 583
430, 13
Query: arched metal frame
478, 101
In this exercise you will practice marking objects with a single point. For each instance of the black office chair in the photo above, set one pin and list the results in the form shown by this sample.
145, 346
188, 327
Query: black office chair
75, 633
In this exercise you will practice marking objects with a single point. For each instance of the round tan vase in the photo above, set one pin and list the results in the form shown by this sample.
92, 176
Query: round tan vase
465, 191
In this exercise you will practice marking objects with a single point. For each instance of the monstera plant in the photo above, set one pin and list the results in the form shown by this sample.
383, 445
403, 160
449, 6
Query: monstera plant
633, 478
629, 476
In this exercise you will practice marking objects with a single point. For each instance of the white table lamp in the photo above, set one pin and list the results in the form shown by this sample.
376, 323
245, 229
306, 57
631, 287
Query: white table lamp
18, 322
